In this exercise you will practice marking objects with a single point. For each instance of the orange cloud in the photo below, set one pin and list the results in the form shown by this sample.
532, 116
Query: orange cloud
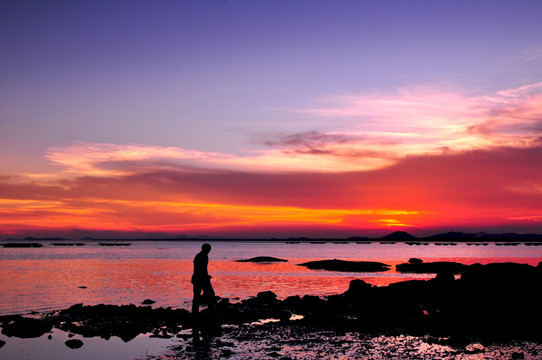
478, 189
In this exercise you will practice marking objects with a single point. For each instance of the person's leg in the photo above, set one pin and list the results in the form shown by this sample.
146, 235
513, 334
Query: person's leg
196, 299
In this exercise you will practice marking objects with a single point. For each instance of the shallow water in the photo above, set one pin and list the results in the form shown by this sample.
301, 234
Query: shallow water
56, 277
54, 348
52, 278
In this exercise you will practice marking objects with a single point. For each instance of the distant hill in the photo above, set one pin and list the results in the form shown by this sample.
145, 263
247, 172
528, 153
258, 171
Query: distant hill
398, 236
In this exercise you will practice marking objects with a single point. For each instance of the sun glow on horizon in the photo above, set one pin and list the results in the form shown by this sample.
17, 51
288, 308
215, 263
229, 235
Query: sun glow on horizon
168, 217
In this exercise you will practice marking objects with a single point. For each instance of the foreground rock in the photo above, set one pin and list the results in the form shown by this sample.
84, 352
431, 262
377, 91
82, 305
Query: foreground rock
20, 327
349, 266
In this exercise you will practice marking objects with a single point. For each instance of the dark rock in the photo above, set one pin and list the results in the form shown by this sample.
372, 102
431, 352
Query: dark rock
415, 261
409, 285
267, 296
431, 268
357, 288
22, 245
74, 343
263, 259
347, 266
26, 328
292, 302
2, 343
444, 278
312, 303
223, 302
263, 299
148, 302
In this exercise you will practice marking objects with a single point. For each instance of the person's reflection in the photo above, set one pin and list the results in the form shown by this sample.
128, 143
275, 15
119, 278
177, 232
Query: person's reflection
201, 281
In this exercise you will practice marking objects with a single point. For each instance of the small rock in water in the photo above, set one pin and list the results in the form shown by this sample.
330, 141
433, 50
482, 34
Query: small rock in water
74, 343
148, 302
2, 343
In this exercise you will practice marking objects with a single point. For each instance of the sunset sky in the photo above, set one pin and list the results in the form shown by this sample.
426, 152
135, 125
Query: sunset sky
269, 118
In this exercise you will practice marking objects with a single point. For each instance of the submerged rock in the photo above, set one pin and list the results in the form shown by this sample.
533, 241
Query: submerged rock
347, 266
263, 259
74, 343
22, 245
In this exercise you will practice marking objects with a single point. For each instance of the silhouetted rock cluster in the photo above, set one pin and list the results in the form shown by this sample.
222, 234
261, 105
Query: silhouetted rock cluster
495, 301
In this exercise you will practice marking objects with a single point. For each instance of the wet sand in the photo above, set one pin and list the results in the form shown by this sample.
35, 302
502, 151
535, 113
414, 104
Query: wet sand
279, 341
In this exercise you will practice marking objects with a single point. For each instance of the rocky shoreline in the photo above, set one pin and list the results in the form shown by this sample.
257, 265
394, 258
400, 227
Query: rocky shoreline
494, 302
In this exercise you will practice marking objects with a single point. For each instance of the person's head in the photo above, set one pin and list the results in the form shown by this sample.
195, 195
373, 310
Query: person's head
206, 248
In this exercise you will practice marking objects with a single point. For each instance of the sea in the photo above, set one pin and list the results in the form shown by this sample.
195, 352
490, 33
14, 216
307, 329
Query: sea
60, 274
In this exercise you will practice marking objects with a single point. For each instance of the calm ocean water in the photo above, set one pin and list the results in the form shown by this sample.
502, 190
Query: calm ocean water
56, 277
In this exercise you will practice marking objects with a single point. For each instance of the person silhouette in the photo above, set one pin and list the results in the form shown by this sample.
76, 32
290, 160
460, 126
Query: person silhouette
201, 280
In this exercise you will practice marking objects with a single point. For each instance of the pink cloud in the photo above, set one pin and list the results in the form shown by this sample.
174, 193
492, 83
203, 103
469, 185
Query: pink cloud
422, 120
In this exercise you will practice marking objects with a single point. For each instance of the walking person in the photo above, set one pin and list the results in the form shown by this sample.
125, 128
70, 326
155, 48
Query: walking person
201, 281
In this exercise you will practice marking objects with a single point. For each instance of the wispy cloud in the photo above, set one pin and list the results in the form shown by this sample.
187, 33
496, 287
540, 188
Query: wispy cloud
424, 120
